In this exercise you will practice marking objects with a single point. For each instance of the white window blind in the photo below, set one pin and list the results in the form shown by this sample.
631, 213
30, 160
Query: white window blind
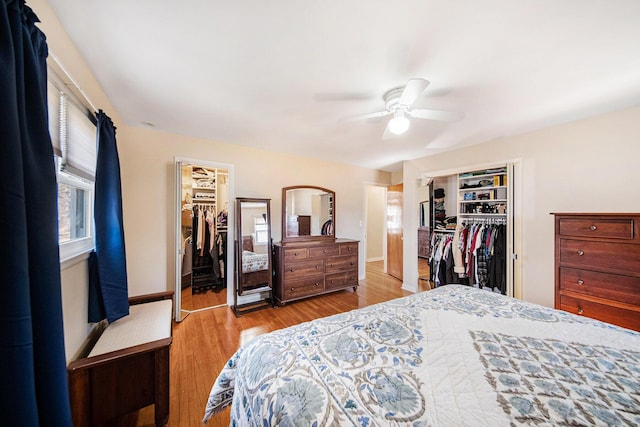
53, 99
79, 147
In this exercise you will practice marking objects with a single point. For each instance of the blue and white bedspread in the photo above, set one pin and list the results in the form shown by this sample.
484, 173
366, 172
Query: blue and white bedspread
252, 261
453, 356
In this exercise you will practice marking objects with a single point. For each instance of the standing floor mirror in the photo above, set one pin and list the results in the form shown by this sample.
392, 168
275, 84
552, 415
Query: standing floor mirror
253, 247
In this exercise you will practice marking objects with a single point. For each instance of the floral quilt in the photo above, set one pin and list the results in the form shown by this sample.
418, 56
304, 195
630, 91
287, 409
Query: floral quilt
452, 356
252, 261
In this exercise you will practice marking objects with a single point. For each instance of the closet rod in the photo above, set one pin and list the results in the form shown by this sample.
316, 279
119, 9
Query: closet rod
496, 221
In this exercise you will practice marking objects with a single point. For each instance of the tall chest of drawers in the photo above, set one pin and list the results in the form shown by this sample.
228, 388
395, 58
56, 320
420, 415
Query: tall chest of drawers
304, 269
597, 266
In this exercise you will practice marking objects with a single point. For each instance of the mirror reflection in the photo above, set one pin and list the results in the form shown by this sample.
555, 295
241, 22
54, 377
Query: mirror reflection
308, 212
253, 245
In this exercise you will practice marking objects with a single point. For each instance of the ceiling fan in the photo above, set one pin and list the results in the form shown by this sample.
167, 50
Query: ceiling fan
399, 100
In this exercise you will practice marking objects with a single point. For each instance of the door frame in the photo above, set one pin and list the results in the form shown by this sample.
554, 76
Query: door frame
515, 244
177, 247
366, 224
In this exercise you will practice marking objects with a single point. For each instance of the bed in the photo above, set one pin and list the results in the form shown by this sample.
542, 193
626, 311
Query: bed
451, 356
255, 266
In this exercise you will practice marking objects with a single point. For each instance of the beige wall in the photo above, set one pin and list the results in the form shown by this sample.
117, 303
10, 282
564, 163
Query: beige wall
585, 166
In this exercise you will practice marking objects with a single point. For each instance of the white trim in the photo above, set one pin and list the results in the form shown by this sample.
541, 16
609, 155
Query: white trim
72, 259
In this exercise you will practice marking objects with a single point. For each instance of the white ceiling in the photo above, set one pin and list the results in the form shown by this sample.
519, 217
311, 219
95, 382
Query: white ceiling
286, 75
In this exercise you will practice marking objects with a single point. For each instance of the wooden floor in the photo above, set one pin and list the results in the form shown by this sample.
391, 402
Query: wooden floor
205, 340
207, 298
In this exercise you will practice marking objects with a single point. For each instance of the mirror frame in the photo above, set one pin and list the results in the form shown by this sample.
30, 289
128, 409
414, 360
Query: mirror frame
240, 281
286, 238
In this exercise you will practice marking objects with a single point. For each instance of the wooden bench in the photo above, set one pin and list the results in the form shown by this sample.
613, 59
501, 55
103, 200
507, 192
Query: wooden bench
124, 366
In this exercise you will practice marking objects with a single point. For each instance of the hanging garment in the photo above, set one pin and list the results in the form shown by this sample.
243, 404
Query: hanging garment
187, 258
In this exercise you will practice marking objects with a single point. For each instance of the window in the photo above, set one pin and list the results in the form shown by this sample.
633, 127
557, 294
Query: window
261, 229
73, 135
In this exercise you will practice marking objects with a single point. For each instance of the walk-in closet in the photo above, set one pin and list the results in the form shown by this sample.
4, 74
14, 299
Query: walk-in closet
470, 229
204, 220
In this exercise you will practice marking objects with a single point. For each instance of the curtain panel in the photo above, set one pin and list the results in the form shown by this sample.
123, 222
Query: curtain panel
109, 294
33, 375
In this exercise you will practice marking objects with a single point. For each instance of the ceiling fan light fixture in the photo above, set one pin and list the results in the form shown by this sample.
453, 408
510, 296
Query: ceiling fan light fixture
399, 124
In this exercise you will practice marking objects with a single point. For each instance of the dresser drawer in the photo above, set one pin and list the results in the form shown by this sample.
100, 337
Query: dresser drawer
614, 257
341, 263
610, 286
295, 254
352, 278
303, 287
614, 315
349, 248
608, 228
324, 251
300, 269
336, 280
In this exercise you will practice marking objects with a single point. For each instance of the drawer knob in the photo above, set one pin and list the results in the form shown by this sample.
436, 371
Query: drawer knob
292, 270
593, 228
324, 251
351, 263
317, 284
580, 282
293, 289
580, 311
295, 254
317, 267
580, 252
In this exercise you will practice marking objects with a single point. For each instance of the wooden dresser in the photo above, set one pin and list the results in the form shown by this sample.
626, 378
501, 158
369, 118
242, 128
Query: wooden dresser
304, 269
597, 266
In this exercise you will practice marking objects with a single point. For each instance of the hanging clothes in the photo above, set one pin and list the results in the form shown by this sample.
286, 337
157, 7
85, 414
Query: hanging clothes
482, 259
441, 259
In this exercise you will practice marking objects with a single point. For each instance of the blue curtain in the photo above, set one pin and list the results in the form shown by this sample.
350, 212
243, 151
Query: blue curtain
108, 288
33, 375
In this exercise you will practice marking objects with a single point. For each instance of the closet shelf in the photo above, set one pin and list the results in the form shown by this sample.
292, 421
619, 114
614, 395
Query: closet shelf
483, 201
489, 187
484, 175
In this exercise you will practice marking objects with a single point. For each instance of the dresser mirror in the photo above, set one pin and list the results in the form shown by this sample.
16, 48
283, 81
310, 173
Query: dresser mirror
253, 253
308, 213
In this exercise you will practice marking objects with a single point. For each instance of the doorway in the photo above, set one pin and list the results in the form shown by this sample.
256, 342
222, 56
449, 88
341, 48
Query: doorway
394, 231
473, 210
204, 258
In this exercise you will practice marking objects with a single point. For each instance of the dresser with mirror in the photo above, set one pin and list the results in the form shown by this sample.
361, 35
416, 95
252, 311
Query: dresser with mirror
310, 260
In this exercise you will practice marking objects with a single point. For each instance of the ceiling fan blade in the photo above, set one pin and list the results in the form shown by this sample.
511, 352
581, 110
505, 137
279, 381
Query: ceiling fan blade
444, 116
412, 91
370, 115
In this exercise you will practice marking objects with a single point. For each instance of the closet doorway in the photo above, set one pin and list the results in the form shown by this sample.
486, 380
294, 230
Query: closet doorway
204, 276
475, 210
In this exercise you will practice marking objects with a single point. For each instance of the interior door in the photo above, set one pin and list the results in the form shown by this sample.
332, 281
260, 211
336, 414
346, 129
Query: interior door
394, 231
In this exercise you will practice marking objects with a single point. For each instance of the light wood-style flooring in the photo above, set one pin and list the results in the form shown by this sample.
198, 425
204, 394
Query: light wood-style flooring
205, 340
